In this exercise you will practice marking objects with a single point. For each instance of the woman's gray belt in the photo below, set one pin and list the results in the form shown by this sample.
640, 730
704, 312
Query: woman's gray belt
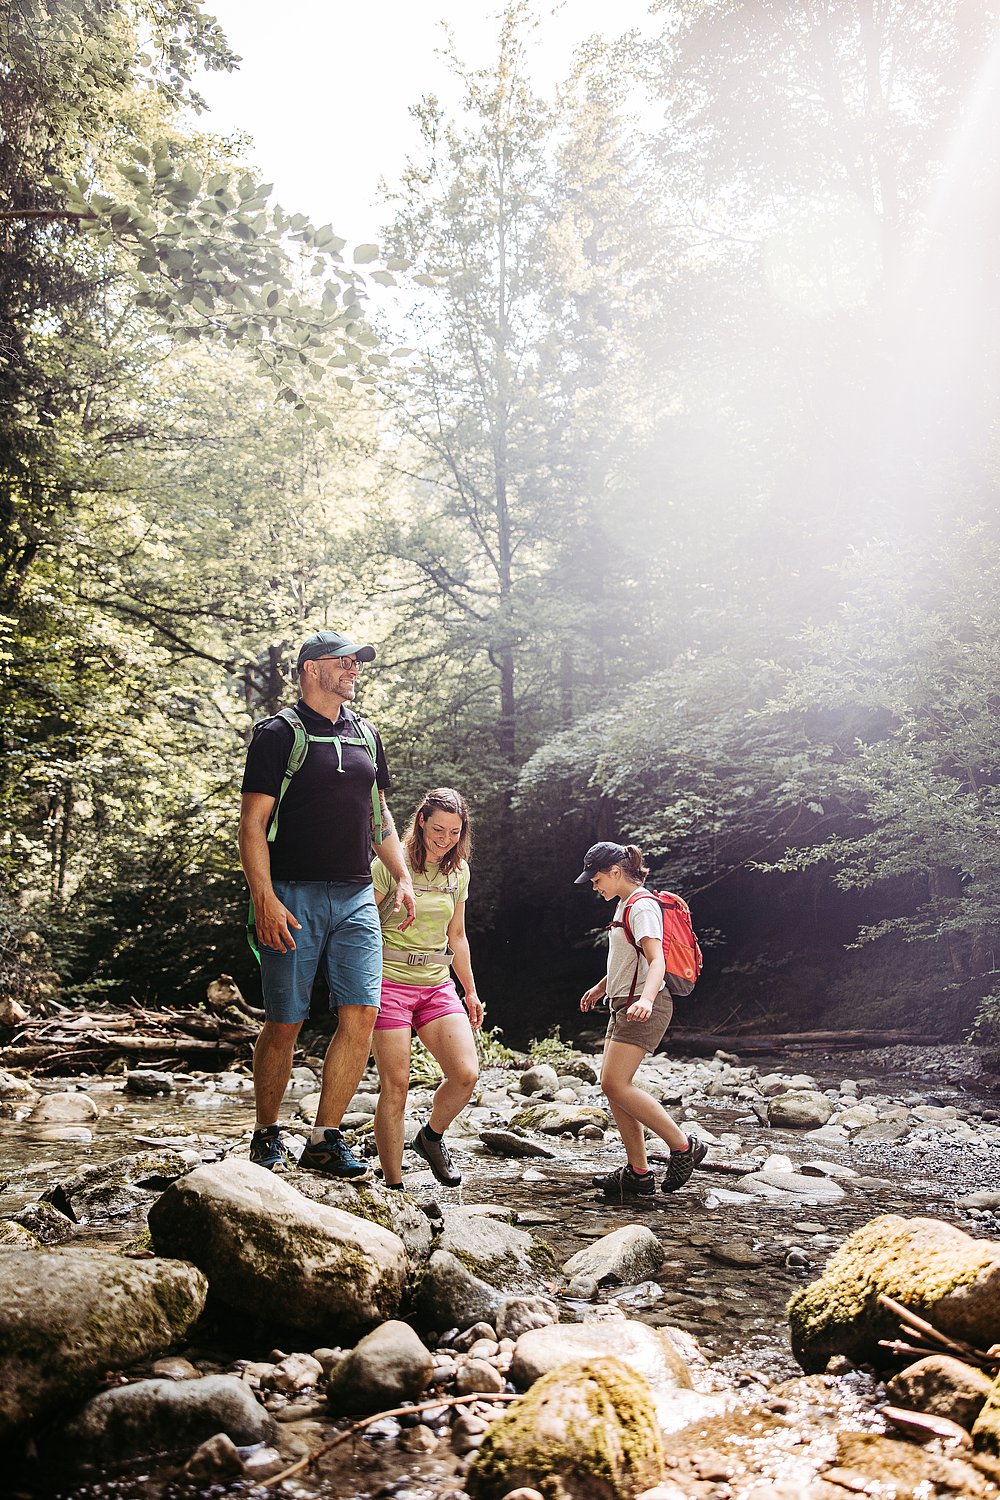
416, 960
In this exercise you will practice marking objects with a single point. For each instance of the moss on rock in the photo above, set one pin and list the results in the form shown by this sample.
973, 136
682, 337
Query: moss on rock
929, 1266
586, 1431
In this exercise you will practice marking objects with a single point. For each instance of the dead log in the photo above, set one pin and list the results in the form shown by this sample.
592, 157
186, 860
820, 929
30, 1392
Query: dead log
91, 1050
705, 1043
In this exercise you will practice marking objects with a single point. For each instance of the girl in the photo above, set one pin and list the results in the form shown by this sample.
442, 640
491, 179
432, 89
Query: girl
641, 1009
418, 994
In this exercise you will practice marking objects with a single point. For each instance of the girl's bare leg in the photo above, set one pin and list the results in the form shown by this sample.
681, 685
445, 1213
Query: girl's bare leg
392, 1058
632, 1107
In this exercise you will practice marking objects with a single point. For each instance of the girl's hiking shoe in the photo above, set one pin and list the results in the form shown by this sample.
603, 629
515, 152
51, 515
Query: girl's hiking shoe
624, 1183
333, 1156
682, 1164
437, 1157
267, 1149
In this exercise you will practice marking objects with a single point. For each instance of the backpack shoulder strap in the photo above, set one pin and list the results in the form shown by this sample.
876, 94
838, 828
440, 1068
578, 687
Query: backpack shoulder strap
635, 896
367, 734
296, 756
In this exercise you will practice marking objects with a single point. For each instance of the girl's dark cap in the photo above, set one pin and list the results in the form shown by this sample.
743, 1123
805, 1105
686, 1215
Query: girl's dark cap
600, 857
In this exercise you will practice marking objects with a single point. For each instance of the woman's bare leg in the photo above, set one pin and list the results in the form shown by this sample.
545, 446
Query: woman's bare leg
451, 1043
633, 1108
392, 1058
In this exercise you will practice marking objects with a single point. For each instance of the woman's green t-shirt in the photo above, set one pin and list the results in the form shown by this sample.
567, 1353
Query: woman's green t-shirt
437, 897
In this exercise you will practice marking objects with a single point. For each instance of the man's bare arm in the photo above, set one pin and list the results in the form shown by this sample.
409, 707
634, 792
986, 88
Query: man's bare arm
272, 919
390, 852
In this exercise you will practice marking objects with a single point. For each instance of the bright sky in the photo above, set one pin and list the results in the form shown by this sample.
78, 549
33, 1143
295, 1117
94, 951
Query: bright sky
325, 89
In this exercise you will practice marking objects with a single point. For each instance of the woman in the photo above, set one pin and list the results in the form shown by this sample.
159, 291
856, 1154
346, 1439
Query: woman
641, 1009
418, 994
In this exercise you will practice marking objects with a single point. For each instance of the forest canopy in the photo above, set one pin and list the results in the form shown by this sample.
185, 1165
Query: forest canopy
663, 480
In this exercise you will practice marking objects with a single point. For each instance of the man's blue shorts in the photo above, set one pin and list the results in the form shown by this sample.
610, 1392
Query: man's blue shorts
340, 931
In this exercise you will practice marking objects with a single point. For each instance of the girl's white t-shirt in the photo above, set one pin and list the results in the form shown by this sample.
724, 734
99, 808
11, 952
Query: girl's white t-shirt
645, 919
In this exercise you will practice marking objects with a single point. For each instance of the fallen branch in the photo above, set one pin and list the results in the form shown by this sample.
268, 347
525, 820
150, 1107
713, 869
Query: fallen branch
397, 1411
913, 1323
705, 1043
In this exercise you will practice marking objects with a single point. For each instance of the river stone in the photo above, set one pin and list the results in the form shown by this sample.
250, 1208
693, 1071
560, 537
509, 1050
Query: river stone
800, 1109
540, 1077
518, 1314
590, 1423
64, 1109
943, 1386
68, 1315
296, 1372
147, 1083
46, 1223
165, 1416
578, 1066
553, 1119
816, 1189
392, 1210
857, 1116
14, 1236
388, 1366
112, 1190
449, 1296
646, 1350
628, 1254
503, 1256
508, 1143
938, 1271
265, 1246
215, 1460
16, 1094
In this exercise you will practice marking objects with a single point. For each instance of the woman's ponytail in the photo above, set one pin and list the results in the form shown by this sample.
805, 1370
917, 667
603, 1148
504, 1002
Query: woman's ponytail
633, 865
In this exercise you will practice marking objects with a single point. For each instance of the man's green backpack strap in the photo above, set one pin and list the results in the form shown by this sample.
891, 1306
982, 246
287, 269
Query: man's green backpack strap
301, 740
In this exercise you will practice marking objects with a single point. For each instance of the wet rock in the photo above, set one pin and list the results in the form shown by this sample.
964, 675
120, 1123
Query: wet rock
518, 1314
648, 1351
591, 1424
540, 1077
627, 1254
16, 1095
113, 1190
68, 1315
64, 1109
265, 1246
14, 1236
814, 1188
173, 1367
477, 1377
218, 1458
147, 1083
388, 1366
799, 1110
582, 1288
735, 1253
578, 1067
512, 1145
448, 1295
296, 1372
553, 1119
396, 1212
464, 1341
165, 1416
931, 1267
943, 1386
498, 1253
46, 1223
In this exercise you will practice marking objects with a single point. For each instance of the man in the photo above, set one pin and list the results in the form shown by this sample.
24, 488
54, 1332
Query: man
311, 888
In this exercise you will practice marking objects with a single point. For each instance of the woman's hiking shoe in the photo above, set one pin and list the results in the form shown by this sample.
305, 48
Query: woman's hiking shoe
682, 1164
267, 1149
624, 1183
437, 1157
333, 1156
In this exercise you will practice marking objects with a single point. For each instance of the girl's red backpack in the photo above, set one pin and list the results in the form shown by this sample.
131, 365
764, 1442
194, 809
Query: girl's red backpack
681, 949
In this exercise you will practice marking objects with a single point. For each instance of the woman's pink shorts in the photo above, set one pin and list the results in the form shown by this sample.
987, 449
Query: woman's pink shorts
414, 1005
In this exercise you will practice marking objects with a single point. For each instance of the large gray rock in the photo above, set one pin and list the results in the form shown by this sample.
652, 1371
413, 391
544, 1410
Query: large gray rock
541, 1076
167, 1416
113, 1190
647, 1351
64, 1109
267, 1248
799, 1109
498, 1253
553, 1119
68, 1315
629, 1254
510, 1144
394, 1211
449, 1296
388, 1366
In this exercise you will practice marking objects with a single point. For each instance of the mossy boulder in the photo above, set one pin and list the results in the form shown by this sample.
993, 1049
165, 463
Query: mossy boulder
931, 1267
497, 1253
69, 1315
585, 1432
395, 1211
269, 1250
986, 1428
114, 1190
553, 1119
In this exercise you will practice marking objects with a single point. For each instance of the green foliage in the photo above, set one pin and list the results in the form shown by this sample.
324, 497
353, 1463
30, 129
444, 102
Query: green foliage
424, 1070
493, 1053
551, 1049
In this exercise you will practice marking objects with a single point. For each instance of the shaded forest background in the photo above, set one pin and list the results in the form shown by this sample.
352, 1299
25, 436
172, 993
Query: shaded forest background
654, 446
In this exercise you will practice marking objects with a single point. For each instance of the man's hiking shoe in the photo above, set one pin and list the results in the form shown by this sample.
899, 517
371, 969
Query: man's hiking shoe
267, 1149
333, 1156
437, 1157
682, 1164
624, 1183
